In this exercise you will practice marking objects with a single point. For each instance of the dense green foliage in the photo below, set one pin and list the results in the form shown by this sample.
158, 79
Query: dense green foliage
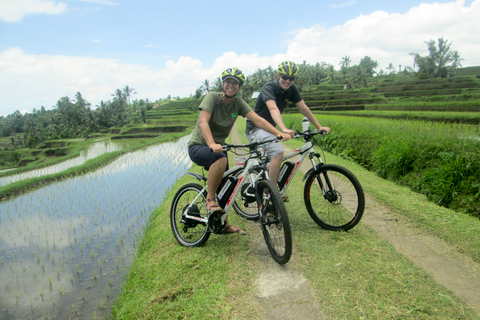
440, 61
439, 160
72, 118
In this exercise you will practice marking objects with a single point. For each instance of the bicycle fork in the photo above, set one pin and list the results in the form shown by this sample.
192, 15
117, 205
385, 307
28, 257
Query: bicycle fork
328, 191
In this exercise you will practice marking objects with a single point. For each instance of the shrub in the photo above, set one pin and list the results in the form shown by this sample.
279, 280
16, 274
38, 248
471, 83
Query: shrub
439, 160
394, 159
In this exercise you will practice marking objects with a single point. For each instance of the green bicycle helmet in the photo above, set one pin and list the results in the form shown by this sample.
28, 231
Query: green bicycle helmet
288, 68
234, 73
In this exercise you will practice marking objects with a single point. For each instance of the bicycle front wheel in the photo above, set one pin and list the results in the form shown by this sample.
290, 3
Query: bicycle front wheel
189, 232
334, 198
274, 222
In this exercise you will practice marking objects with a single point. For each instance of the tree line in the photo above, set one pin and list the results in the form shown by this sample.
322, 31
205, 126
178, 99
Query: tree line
73, 118
441, 61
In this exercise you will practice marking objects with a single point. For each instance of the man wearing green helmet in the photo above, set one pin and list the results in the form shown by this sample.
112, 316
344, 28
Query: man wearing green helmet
271, 102
218, 113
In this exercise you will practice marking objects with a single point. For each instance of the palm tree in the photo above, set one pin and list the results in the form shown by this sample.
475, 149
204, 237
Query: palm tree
206, 86
390, 68
436, 62
218, 86
346, 61
198, 93
119, 105
358, 76
457, 61
127, 91
344, 64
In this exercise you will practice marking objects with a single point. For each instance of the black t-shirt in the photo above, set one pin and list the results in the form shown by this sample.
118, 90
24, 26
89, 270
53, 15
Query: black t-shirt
273, 91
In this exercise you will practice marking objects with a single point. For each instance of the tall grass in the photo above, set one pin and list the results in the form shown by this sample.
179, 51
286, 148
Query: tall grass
439, 160
470, 105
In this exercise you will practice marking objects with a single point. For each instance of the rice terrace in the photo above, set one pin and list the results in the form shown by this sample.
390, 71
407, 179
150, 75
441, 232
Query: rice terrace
84, 230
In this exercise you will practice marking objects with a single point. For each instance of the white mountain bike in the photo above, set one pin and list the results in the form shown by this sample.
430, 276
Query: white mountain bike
192, 224
333, 196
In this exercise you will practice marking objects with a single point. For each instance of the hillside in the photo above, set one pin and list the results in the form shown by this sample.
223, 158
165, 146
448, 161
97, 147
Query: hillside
460, 93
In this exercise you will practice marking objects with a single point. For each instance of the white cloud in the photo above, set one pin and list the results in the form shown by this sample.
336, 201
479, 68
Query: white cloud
390, 37
16, 10
30, 81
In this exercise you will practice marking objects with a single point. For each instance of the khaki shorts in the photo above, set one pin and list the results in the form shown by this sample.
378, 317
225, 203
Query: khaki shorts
272, 149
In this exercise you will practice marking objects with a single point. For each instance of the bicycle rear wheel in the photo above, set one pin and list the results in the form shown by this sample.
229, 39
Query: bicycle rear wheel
341, 204
245, 204
189, 232
274, 222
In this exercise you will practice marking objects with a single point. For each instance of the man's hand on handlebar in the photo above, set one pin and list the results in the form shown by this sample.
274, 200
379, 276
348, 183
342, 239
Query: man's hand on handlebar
285, 136
290, 132
326, 129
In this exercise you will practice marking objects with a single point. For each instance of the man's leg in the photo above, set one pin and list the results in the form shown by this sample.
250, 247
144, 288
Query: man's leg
274, 170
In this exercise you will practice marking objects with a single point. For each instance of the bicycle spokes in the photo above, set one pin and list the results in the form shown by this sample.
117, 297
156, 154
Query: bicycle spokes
334, 198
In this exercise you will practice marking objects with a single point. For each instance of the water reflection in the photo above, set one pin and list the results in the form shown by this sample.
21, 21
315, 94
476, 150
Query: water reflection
64, 248
93, 151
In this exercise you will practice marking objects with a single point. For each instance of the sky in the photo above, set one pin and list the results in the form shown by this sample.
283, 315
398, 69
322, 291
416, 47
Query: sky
51, 49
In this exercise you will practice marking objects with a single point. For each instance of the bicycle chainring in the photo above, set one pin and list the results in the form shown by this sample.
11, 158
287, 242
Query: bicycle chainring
215, 223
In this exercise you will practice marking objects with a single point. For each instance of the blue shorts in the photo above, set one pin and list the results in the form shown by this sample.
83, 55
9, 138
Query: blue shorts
272, 149
204, 157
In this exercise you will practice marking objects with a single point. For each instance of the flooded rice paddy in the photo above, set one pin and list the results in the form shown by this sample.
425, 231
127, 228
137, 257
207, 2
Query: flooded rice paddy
92, 152
65, 248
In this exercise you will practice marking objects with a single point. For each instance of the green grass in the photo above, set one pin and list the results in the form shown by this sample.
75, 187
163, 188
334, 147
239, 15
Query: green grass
355, 274
168, 281
359, 275
455, 117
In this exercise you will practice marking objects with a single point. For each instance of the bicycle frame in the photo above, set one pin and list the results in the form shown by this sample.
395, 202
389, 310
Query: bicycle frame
247, 167
304, 151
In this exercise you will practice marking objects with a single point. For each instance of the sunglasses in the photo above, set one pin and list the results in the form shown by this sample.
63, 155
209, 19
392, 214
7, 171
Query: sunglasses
288, 78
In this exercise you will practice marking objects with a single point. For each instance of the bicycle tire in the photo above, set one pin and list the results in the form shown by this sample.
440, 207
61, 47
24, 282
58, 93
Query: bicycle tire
341, 208
189, 232
245, 204
274, 222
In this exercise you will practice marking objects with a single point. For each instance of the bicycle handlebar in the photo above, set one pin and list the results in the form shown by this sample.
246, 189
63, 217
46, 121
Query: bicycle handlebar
251, 146
299, 134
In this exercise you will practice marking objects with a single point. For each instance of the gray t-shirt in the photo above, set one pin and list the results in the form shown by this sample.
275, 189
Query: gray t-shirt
222, 117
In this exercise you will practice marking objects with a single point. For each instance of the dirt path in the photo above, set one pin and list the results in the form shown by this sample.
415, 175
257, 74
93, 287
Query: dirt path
283, 292
455, 271
289, 295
